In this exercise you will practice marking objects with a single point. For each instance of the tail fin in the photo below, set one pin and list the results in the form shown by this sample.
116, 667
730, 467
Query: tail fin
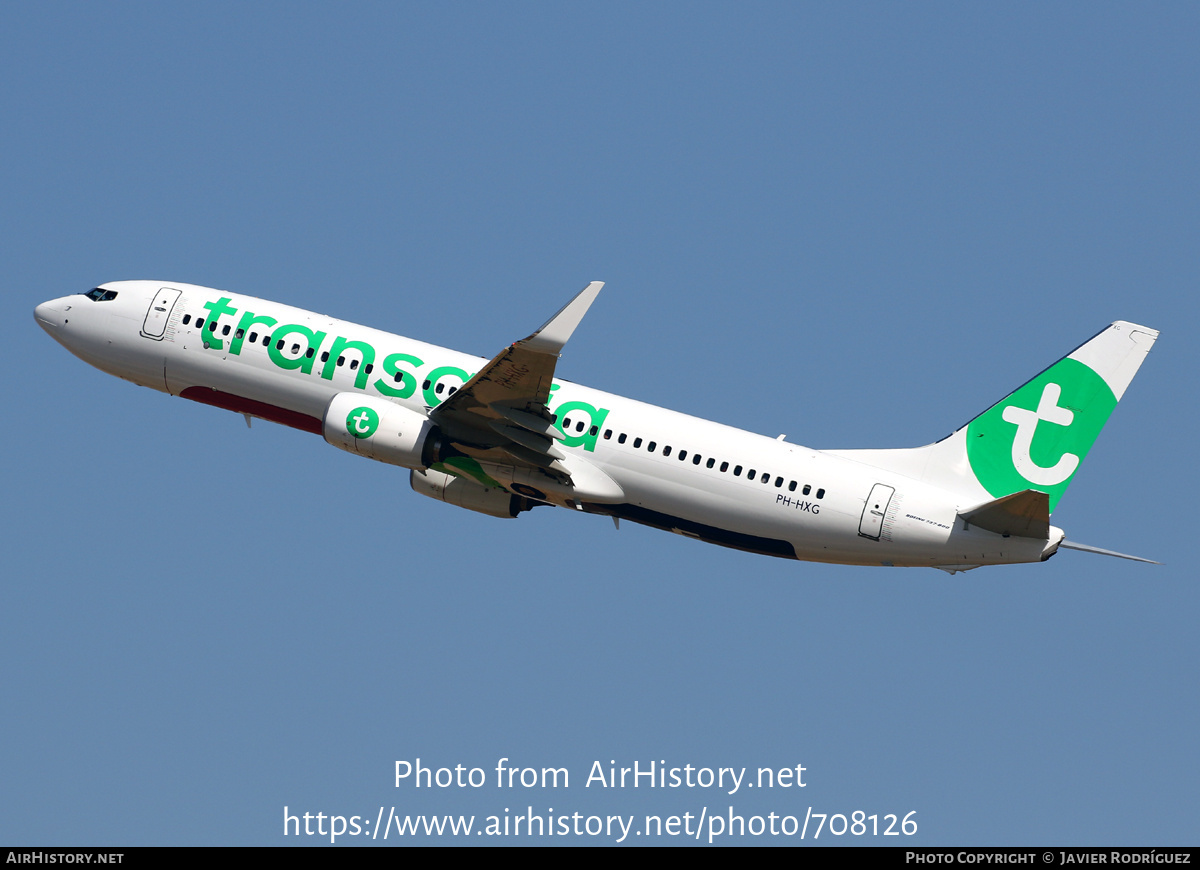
1036, 437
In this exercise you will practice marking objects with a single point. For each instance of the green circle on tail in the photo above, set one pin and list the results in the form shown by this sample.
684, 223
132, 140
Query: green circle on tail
1037, 437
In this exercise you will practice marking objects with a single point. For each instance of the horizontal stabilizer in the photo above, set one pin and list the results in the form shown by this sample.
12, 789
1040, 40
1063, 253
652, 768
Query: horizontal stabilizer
1071, 545
1025, 514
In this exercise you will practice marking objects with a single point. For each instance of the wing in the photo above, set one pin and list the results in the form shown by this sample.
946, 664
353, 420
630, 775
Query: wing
500, 415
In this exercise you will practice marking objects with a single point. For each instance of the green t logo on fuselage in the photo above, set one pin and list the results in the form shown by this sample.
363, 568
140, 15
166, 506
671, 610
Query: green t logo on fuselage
362, 422
1037, 437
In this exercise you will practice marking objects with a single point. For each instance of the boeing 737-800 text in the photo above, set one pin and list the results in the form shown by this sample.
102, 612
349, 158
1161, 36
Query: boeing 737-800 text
503, 436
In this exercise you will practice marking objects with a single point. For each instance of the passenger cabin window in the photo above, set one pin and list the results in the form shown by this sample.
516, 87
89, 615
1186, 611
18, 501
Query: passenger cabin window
807, 489
724, 467
666, 450
225, 329
187, 318
621, 438
820, 493
637, 442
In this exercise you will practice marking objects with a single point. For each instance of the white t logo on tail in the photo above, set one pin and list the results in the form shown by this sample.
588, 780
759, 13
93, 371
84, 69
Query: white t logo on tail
1026, 422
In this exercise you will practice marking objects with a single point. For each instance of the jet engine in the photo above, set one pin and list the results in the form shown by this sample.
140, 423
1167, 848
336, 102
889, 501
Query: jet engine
377, 429
467, 493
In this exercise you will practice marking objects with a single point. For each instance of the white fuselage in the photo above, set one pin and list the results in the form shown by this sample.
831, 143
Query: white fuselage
677, 472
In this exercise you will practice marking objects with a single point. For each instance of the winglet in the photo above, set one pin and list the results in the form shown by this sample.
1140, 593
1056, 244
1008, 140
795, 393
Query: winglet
554, 333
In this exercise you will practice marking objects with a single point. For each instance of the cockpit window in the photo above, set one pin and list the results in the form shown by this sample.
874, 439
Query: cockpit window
101, 295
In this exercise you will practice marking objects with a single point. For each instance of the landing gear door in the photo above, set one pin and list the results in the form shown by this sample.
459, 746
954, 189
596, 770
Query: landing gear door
159, 312
871, 524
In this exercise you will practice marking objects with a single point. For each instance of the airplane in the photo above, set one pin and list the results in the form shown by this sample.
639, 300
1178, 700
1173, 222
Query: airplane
503, 436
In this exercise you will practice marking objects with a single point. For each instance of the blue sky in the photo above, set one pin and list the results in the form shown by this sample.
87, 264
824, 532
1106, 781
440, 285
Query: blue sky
855, 224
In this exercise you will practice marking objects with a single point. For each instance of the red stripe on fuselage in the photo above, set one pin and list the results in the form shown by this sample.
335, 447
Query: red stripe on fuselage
262, 410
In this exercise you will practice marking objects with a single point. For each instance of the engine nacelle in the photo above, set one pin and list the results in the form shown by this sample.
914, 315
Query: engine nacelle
377, 429
467, 493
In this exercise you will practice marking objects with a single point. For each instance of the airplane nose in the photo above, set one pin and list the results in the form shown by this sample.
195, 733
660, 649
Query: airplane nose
50, 315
